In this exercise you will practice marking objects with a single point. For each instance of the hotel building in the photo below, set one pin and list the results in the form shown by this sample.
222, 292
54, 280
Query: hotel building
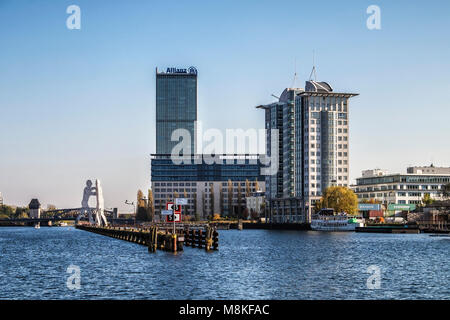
313, 148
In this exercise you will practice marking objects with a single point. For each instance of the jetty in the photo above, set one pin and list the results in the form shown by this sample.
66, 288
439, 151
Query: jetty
161, 237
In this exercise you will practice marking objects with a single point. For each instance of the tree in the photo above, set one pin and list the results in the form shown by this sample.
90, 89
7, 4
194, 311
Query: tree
187, 206
257, 185
247, 188
211, 198
196, 214
371, 200
244, 214
445, 191
262, 209
161, 206
230, 198
318, 205
253, 214
141, 213
221, 199
151, 205
6, 211
204, 204
427, 200
341, 199
21, 212
239, 199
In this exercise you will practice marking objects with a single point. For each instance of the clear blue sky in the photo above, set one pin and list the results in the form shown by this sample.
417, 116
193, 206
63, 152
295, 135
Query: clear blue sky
76, 104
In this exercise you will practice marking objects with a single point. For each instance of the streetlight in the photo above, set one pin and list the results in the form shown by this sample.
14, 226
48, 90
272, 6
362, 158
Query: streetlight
134, 209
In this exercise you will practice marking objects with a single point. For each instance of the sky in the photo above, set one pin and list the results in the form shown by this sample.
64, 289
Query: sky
80, 104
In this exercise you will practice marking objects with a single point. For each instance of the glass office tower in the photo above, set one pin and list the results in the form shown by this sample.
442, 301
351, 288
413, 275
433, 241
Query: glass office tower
176, 106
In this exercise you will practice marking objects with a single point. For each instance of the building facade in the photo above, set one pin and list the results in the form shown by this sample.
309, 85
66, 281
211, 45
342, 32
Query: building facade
209, 188
256, 204
176, 106
313, 148
218, 187
409, 188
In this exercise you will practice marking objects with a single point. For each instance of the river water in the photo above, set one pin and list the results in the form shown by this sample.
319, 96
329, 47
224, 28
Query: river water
250, 264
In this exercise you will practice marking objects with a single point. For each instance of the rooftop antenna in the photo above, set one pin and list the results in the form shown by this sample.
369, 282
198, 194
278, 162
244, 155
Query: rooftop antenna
295, 74
313, 71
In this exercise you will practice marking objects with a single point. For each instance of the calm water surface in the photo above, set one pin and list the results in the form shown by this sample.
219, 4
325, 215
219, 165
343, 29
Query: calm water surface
251, 264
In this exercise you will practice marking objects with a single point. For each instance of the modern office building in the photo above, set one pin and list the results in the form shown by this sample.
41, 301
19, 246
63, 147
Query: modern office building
209, 188
313, 148
176, 106
409, 188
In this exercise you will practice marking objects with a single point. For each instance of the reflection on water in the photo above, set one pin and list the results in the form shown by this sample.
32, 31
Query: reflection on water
250, 264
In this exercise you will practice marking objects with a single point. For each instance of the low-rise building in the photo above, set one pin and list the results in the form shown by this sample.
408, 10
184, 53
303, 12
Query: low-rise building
409, 188
210, 188
255, 203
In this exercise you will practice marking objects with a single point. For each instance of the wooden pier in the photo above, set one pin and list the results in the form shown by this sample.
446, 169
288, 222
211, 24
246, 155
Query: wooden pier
161, 237
388, 229
434, 226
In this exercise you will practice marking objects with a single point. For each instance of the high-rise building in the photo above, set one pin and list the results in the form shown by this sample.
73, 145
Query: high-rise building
209, 188
313, 148
176, 106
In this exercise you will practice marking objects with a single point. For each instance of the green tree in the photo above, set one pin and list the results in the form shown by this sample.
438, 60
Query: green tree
7, 211
427, 200
341, 199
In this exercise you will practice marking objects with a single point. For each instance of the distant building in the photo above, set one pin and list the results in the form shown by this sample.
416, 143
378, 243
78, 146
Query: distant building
313, 148
1, 199
35, 209
409, 188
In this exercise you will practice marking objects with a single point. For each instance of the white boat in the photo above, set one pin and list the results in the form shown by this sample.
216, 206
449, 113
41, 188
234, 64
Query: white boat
37, 226
327, 220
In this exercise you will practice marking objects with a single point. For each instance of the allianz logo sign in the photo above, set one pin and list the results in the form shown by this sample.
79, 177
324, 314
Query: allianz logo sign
190, 70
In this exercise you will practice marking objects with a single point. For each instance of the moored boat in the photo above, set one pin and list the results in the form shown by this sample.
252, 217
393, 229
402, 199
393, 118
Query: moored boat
327, 220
